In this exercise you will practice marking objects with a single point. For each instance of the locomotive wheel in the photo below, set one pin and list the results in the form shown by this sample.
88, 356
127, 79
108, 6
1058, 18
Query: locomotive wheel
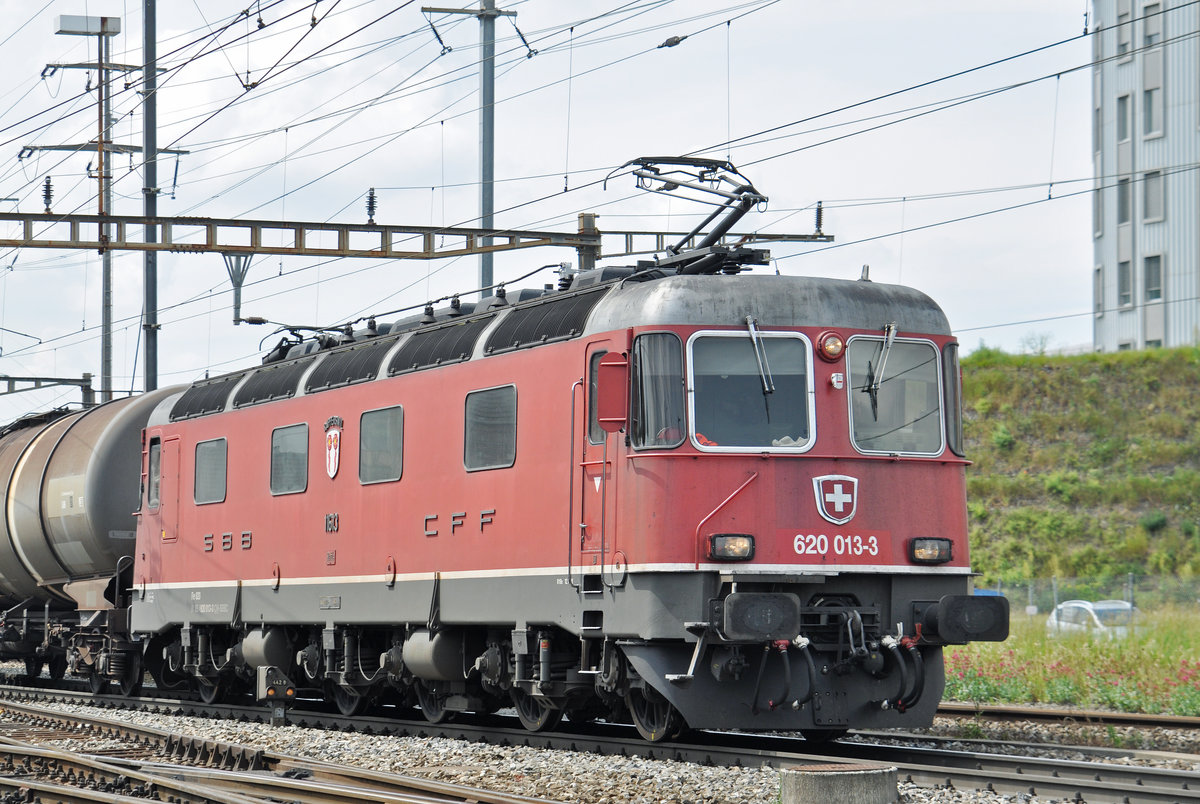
823, 735
653, 715
348, 702
211, 691
33, 666
131, 680
433, 706
58, 667
534, 714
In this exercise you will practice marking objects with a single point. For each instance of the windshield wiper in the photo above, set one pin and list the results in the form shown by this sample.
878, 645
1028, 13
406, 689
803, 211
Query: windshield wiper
875, 376
760, 354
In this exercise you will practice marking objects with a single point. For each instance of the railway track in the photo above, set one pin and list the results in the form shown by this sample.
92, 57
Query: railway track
118, 762
1100, 777
1053, 715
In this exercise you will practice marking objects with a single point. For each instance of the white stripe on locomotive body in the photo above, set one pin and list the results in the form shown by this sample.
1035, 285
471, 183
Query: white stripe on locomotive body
832, 571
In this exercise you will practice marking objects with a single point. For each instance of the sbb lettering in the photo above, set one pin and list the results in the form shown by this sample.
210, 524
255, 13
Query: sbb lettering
245, 541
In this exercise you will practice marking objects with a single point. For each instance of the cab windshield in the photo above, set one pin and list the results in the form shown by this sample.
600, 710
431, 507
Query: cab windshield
750, 392
895, 400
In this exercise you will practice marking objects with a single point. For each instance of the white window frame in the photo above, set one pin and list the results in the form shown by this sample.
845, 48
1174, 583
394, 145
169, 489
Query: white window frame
810, 393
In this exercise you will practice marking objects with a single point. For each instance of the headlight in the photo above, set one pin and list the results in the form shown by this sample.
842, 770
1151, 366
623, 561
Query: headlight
731, 547
930, 551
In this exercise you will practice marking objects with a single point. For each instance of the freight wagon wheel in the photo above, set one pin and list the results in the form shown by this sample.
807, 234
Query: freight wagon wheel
348, 701
656, 719
33, 666
131, 680
97, 683
433, 706
535, 715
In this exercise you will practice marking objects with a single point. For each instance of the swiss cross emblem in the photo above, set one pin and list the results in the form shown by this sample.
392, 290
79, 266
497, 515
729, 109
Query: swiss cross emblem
333, 445
837, 497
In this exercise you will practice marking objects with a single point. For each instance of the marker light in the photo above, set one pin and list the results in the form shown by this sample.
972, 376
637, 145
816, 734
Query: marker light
930, 551
830, 346
731, 547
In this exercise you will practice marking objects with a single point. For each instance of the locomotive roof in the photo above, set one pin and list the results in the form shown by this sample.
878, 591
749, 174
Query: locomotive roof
775, 301
678, 300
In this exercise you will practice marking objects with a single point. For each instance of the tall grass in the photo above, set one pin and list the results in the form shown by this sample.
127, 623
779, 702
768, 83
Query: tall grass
1156, 669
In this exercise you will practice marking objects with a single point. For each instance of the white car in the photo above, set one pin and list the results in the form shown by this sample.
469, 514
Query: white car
1108, 619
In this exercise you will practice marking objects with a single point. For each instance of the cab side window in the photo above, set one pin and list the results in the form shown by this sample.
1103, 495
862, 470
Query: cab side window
596, 434
153, 474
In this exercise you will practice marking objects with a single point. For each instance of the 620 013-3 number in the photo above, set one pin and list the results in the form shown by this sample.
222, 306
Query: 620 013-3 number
809, 544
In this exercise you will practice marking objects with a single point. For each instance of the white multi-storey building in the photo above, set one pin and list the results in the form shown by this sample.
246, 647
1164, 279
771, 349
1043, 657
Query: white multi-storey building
1146, 144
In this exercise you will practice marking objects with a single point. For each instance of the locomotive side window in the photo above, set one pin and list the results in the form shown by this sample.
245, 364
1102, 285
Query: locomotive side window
210, 471
895, 396
953, 385
381, 445
596, 433
748, 393
153, 472
289, 459
491, 429
657, 410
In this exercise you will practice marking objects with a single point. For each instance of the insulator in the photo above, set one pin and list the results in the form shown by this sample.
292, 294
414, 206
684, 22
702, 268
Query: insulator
820, 217
48, 193
371, 205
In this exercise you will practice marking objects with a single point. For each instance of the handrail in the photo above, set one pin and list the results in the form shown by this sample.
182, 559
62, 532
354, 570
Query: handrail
571, 495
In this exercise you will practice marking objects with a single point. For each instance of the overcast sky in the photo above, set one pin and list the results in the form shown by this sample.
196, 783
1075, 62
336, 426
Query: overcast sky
973, 189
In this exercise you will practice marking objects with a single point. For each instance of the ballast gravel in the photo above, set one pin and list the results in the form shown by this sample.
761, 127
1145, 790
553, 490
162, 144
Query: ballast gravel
588, 778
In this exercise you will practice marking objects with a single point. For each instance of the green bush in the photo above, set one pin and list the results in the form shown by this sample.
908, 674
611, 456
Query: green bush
1002, 438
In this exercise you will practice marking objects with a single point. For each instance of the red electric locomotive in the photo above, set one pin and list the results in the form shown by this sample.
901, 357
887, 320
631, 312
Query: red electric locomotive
673, 492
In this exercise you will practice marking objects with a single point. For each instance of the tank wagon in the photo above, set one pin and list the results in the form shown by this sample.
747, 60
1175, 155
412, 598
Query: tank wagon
673, 493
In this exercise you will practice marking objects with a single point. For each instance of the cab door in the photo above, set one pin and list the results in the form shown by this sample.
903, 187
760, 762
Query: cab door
594, 539
162, 487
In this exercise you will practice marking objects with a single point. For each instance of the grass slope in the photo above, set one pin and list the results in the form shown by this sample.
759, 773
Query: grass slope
1083, 466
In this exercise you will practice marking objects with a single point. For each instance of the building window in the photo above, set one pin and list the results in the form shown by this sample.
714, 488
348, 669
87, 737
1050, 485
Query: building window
1152, 277
1097, 128
1097, 212
1124, 201
1125, 347
1122, 118
289, 459
209, 486
1152, 112
1124, 284
1154, 344
1152, 24
1155, 198
1124, 33
381, 445
491, 429
1098, 290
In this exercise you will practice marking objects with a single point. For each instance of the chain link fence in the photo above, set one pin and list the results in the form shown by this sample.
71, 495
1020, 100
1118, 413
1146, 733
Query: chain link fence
1147, 592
